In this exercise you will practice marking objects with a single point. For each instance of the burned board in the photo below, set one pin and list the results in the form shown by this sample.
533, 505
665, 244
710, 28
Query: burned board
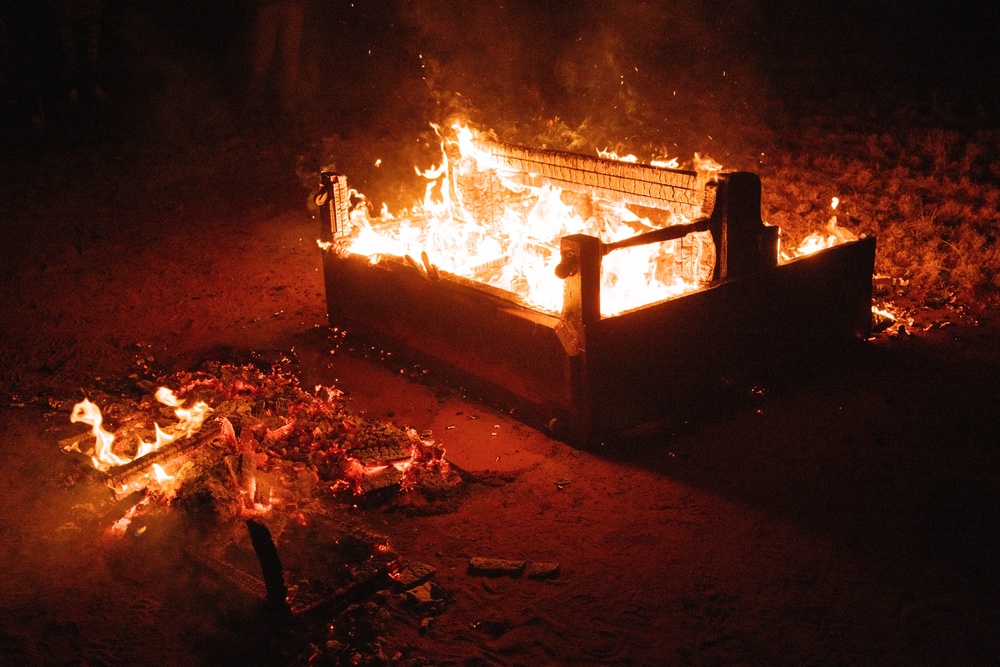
584, 375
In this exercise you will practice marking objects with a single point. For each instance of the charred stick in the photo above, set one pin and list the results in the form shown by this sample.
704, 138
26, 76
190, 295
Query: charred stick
416, 265
270, 566
659, 235
432, 271
121, 507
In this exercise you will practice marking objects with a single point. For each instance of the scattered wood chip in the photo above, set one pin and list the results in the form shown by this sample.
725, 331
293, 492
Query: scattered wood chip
426, 598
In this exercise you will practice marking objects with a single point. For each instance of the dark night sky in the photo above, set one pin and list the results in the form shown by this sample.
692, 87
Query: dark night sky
544, 59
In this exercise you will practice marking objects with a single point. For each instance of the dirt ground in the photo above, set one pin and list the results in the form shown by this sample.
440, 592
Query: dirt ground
842, 515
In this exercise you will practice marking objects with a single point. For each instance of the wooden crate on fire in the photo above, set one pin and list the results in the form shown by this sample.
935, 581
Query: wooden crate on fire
586, 376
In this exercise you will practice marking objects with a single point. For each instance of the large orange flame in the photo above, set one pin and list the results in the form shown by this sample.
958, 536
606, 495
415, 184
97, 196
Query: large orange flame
519, 251
517, 248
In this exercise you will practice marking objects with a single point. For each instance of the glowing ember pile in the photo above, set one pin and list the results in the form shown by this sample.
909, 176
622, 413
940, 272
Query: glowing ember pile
482, 220
268, 443
250, 447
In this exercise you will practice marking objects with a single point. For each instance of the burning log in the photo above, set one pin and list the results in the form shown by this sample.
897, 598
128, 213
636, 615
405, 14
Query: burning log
121, 476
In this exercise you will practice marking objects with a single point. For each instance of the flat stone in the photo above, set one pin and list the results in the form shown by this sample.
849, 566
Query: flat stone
496, 566
412, 574
542, 570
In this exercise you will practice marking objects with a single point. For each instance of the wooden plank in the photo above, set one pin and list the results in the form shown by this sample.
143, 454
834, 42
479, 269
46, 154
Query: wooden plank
631, 183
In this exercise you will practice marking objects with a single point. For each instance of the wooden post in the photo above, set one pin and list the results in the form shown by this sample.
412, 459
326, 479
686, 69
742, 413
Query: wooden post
744, 244
580, 268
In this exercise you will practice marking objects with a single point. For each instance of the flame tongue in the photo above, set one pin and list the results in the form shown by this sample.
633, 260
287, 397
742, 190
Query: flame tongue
88, 413
189, 420
830, 236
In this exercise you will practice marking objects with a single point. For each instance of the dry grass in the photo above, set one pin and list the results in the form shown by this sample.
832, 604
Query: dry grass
930, 195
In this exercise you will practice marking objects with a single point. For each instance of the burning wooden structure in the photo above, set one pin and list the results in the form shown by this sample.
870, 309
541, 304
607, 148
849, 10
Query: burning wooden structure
586, 375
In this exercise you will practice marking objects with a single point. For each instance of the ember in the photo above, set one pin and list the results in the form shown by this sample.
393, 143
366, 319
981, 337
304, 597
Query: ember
286, 461
265, 428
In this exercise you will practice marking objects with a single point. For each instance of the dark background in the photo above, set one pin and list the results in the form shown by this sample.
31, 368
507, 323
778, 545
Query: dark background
630, 71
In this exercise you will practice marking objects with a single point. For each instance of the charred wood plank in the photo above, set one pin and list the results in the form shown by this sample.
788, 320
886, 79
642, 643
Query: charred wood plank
247, 583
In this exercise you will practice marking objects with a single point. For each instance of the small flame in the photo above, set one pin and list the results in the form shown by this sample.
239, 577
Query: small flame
189, 420
88, 413
611, 155
831, 235
666, 163
160, 474
161, 439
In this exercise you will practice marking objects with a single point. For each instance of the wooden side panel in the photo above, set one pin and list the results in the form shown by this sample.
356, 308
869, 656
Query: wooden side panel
686, 353
514, 353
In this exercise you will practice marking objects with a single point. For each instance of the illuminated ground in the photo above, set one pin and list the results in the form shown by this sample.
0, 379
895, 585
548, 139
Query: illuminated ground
842, 516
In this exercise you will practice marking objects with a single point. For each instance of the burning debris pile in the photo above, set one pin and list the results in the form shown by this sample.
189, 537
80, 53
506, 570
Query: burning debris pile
234, 445
250, 441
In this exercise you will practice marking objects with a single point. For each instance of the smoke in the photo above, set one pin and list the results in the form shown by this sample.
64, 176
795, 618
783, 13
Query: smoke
647, 72
657, 79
